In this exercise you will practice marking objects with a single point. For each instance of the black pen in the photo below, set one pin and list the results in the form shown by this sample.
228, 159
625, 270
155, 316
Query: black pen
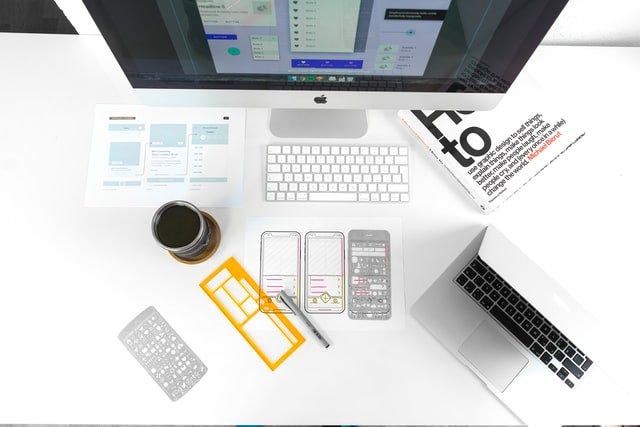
286, 299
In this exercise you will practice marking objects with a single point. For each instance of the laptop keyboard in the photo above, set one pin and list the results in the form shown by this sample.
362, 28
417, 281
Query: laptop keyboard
523, 321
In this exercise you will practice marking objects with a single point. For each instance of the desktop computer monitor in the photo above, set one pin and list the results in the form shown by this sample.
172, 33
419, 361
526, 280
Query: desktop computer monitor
326, 60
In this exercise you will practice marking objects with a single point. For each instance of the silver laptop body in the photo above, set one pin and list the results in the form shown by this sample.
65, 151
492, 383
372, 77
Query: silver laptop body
521, 380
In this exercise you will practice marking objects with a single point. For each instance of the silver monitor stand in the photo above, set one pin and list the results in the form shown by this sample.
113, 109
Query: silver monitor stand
315, 123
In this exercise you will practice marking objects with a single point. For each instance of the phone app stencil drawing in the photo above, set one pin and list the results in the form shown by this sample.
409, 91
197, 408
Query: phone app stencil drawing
280, 267
324, 278
324, 291
238, 296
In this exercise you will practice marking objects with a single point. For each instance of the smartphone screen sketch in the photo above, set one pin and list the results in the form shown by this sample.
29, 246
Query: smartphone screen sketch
280, 267
324, 272
369, 289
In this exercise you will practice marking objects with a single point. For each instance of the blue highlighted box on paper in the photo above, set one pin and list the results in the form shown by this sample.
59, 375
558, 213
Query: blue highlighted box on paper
165, 180
126, 127
165, 135
208, 179
122, 153
210, 134
122, 183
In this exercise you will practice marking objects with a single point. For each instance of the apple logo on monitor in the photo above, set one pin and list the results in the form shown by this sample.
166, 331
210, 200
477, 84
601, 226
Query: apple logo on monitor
320, 99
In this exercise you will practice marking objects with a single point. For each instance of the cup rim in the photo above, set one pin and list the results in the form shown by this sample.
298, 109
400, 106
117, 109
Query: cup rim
162, 209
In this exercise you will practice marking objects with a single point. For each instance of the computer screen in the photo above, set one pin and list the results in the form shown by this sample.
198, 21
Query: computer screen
440, 54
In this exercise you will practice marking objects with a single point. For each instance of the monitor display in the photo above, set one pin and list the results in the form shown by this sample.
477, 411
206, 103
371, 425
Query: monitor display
432, 46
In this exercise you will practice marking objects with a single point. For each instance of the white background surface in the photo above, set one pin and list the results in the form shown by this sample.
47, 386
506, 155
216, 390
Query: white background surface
71, 277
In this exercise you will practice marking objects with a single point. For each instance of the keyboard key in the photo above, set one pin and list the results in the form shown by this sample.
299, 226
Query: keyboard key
561, 344
534, 332
333, 197
518, 318
528, 313
578, 359
470, 273
513, 299
521, 306
537, 350
478, 280
569, 383
570, 351
477, 294
511, 326
552, 367
577, 372
553, 336
486, 303
559, 355
505, 292
398, 188
546, 358
587, 364
562, 373
486, 288
469, 287
490, 277
511, 310
543, 340
526, 325
551, 348
503, 303
545, 328
537, 321
481, 269
494, 295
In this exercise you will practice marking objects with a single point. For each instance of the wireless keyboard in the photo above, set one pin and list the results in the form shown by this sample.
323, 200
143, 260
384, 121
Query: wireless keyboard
337, 173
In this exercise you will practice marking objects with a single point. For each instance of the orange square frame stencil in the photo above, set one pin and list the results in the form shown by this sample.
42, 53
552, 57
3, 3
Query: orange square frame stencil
239, 298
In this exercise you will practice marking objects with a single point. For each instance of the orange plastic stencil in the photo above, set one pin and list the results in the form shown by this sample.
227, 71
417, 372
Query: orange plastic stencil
238, 296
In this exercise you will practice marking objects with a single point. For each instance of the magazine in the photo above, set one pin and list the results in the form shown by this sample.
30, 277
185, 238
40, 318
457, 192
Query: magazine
492, 154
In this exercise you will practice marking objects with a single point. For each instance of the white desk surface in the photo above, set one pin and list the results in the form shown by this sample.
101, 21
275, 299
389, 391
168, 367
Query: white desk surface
71, 277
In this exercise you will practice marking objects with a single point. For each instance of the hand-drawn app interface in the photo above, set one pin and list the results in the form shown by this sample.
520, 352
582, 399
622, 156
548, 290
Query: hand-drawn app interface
324, 272
280, 267
330, 38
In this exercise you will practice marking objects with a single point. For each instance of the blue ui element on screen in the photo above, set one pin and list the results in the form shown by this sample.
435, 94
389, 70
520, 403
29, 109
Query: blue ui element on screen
222, 37
353, 64
124, 153
214, 134
168, 135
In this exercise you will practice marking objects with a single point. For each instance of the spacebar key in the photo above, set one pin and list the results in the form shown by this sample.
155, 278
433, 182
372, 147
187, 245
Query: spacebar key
511, 326
333, 197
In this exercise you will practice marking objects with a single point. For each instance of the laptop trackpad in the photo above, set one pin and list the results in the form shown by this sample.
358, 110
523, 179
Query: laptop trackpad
493, 355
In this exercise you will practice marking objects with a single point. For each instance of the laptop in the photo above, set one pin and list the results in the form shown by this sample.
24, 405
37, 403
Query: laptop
525, 337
